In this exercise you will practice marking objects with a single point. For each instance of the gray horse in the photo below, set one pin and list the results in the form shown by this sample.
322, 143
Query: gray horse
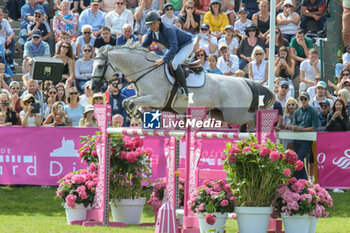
233, 100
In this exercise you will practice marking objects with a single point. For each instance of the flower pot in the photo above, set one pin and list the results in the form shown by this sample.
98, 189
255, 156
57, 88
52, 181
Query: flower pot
77, 213
313, 225
296, 223
219, 225
253, 219
128, 211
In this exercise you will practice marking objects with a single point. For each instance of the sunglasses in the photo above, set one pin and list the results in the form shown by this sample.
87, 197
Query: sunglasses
87, 50
36, 37
303, 99
251, 30
87, 32
115, 84
190, 8
215, 3
200, 55
120, 3
284, 87
52, 93
258, 54
98, 98
15, 88
136, 124
74, 93
345, 74
288, 6
169, 9
66, 47
347, 85
37, 16
204, 29
323, 106
291, 104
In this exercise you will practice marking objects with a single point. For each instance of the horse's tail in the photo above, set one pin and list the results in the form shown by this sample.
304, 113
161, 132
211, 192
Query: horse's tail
257, 90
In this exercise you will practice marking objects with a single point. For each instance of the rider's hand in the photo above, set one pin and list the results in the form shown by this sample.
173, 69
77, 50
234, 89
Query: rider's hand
159, 62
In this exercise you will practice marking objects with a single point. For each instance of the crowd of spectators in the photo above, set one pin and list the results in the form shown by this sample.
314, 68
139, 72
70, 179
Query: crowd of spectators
229, 42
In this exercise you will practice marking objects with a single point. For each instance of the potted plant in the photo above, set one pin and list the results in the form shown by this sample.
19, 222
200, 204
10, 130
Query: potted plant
255, 171
300, 204
157, 196
77, 190
212, 202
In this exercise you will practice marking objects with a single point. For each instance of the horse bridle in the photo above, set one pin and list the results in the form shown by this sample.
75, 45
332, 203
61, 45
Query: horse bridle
107, 63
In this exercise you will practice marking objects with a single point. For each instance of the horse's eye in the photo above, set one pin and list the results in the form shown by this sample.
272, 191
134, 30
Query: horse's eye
100, 66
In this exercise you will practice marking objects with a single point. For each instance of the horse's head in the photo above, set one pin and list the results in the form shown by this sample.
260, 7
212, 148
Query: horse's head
102, 70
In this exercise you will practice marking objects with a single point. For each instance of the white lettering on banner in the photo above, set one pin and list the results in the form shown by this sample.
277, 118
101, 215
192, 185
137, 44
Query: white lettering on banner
14, 170
321, 158
51, 168
73, 166
0, 170
5, 151
33, 173
343, 162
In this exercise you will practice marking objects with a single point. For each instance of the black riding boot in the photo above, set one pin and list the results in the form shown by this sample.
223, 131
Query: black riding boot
180, 77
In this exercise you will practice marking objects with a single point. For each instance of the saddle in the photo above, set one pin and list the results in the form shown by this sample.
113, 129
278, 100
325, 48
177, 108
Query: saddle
188, 67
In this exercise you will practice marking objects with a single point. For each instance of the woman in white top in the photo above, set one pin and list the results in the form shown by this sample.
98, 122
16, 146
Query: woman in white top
117, 18
258, 67
230, 40
288, 21
27, 117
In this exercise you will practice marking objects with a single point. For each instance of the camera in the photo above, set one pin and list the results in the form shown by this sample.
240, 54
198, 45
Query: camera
204, 35
282, 57
36, 108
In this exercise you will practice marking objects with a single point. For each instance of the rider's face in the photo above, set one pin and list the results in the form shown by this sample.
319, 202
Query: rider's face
154, 26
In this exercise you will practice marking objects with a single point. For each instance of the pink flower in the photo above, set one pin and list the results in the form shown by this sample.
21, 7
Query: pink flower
92, 167
87, 148
68, 176
291, 157
201, 207
210, 219
82, 192
232, 159
78, 179
274, 156
247, 149
81, 153
131, 157
89, 184
70, 200
129, 144
299, 165
123, 155
148, 152
224, 203
138, 141
287, 172
234, 216
94, 153
264, 152
206, 182
234, 150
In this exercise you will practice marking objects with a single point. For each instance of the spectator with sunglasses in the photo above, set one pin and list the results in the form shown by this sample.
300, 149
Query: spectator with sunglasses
305, 119
117, 18
216, 19
282, 94
28, 118
94, 17
116, 98
35, 48
168, 14
15, 96
85, 39
65, 54
73, 109
288, 21
83, 68
40, 23
287, 120
323, 114
321, 95
205, 40
189, 19
201, 55
50, 99
7, 109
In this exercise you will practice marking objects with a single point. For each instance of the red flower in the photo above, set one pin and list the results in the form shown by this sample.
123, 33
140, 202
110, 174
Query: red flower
291, 157
264, 151
274, 156
286, 172
299, 165
210, 219
234, 150
232, 159
94, 153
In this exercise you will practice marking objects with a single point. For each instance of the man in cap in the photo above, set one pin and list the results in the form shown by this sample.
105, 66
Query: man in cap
205, 41
251, 6
323, 114
35, 48
40, 23
227, 63
282, 94
93, 16
305, 120
321, 89
242, 23
178, 43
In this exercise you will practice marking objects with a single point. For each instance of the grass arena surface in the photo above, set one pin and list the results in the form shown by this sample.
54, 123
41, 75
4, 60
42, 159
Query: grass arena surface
34, 209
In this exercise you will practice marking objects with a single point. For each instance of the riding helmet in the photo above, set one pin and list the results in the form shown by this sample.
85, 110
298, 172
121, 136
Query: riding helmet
152, 16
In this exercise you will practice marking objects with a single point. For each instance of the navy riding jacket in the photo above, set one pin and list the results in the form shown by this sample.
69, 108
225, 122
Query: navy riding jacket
172, 37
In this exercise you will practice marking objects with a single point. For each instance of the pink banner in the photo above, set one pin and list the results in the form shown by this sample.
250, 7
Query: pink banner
333, 159
39, 155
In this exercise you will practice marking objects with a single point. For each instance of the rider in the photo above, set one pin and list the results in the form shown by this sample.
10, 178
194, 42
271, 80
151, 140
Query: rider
178, 43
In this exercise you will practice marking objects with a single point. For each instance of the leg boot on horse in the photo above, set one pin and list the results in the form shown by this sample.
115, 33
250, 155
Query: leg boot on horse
180, 77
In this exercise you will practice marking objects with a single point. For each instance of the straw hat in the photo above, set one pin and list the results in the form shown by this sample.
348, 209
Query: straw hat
91, 100
25, 98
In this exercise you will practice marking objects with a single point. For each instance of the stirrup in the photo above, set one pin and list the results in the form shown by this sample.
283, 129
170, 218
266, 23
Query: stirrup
183, 93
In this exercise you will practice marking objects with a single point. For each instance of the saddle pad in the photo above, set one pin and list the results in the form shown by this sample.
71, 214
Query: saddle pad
193, 80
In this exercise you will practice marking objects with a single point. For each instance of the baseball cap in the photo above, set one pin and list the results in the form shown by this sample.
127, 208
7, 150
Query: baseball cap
283, 82
38, 11
14, 83
321, 84
87, 84
242, 9
288, 2
304, 94
222, 45
204, 25
212, 1
230, 27
89, 108
325, 102
95, 2
168, 4
36, 32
